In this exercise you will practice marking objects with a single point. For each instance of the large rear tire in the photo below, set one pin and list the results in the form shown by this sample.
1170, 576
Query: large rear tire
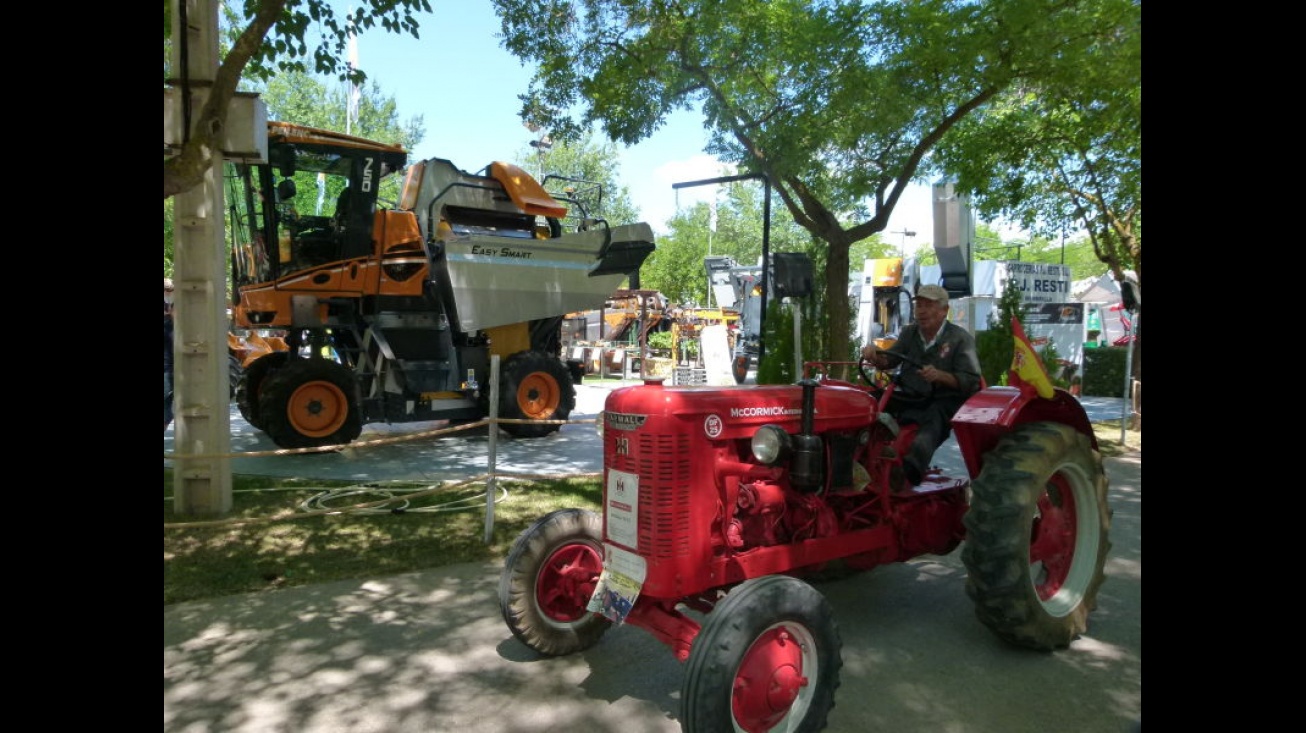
250, 382
535, 386
766, 659
309, 403
1037, 536
548, 579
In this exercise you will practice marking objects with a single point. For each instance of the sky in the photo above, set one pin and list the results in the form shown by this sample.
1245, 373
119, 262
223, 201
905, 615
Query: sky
464, 84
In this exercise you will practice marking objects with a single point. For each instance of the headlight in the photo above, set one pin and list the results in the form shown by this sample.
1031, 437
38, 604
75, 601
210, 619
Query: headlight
771, 444
598, 424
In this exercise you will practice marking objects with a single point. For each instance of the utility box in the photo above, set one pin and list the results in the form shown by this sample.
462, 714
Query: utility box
245, 135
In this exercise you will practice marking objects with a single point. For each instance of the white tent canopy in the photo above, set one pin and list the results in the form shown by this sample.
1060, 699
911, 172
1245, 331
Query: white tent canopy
1100, 289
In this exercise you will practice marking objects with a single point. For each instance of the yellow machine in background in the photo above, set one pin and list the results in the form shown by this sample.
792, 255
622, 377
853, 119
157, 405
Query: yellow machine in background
890, 299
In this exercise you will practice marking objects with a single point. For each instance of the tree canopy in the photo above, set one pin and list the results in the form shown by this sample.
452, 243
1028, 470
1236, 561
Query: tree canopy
840, 104
1065, 153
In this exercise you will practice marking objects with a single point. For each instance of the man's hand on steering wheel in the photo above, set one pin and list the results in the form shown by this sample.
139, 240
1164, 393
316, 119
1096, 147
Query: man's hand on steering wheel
879, 382
877, 378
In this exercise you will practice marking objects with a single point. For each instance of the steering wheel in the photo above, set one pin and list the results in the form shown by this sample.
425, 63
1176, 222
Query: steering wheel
900, 393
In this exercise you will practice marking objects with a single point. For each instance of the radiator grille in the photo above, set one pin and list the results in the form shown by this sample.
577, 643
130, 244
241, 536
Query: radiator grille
663, 465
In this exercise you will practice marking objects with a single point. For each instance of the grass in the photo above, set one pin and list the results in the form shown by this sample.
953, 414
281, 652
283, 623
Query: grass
282, 532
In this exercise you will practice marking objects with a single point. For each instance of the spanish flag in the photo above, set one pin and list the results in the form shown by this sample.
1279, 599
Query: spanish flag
1027, 370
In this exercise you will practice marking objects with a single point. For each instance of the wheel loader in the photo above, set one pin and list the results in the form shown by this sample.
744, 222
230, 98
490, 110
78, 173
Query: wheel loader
395, 291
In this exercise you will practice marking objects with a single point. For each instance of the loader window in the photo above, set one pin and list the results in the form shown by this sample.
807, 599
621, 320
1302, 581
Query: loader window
308, 233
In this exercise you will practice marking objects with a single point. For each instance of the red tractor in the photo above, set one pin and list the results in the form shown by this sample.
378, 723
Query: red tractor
717, 501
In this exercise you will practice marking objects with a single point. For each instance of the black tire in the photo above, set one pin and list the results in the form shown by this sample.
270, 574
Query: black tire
1037, 536
309, 403
250, 382
744, 669
234, 372
739, 369
535, 386
548, 579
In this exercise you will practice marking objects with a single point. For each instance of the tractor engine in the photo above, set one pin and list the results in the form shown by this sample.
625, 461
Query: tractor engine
709, 486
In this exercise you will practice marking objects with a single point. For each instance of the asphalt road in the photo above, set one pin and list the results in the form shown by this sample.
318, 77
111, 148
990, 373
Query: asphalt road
430, 652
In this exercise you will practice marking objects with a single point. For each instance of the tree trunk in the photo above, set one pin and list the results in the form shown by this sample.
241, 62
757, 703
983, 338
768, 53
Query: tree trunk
836, 297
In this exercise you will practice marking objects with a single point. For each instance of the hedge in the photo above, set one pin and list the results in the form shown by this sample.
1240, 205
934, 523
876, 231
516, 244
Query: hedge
1104, 371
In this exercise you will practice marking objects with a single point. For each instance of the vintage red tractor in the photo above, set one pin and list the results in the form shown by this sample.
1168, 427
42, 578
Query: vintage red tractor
717, 501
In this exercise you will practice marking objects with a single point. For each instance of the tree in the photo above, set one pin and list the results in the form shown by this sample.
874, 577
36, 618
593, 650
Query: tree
1064, 151
996, 344
304, 100
275, 39
677, 266
838, 103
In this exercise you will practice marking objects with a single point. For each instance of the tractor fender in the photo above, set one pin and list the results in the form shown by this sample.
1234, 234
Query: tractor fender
992, 412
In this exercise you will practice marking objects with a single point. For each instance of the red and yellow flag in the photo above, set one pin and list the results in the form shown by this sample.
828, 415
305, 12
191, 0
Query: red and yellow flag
1027, 370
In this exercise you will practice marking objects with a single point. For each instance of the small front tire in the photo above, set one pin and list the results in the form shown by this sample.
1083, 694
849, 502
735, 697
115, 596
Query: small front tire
766, 659
547, 582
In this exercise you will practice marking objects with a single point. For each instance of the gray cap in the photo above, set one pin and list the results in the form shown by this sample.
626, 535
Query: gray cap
933, 292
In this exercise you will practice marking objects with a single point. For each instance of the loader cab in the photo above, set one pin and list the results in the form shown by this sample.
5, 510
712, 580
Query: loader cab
331, 193
311, 204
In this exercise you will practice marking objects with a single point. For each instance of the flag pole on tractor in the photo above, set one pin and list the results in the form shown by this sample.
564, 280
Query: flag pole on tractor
1027, 371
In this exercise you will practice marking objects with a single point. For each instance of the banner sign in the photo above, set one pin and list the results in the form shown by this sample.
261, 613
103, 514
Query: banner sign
1040, 283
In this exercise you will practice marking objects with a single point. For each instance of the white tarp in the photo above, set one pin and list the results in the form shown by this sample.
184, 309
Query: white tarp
715, 345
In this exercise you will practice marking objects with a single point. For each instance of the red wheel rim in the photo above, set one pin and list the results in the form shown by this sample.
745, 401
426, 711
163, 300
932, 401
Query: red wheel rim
1053, 538
566, 581
769, 680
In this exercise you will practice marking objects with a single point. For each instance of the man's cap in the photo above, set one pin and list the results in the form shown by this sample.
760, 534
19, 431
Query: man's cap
933, 292
167, 283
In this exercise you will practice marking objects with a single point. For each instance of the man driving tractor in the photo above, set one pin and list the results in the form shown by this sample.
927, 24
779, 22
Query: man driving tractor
940, 372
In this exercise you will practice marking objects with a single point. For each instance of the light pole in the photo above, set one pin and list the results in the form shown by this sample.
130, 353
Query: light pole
541, 145
905, 233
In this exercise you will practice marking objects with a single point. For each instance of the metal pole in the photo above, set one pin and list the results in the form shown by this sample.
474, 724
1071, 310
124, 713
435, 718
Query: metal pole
709, 274
490, 488
766, 239
766, 269
798, 339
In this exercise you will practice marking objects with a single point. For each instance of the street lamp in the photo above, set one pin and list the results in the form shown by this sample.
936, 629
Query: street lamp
905, 233
541, 145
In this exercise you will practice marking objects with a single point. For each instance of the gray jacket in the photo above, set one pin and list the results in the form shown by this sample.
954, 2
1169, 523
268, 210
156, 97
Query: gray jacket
953, 352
